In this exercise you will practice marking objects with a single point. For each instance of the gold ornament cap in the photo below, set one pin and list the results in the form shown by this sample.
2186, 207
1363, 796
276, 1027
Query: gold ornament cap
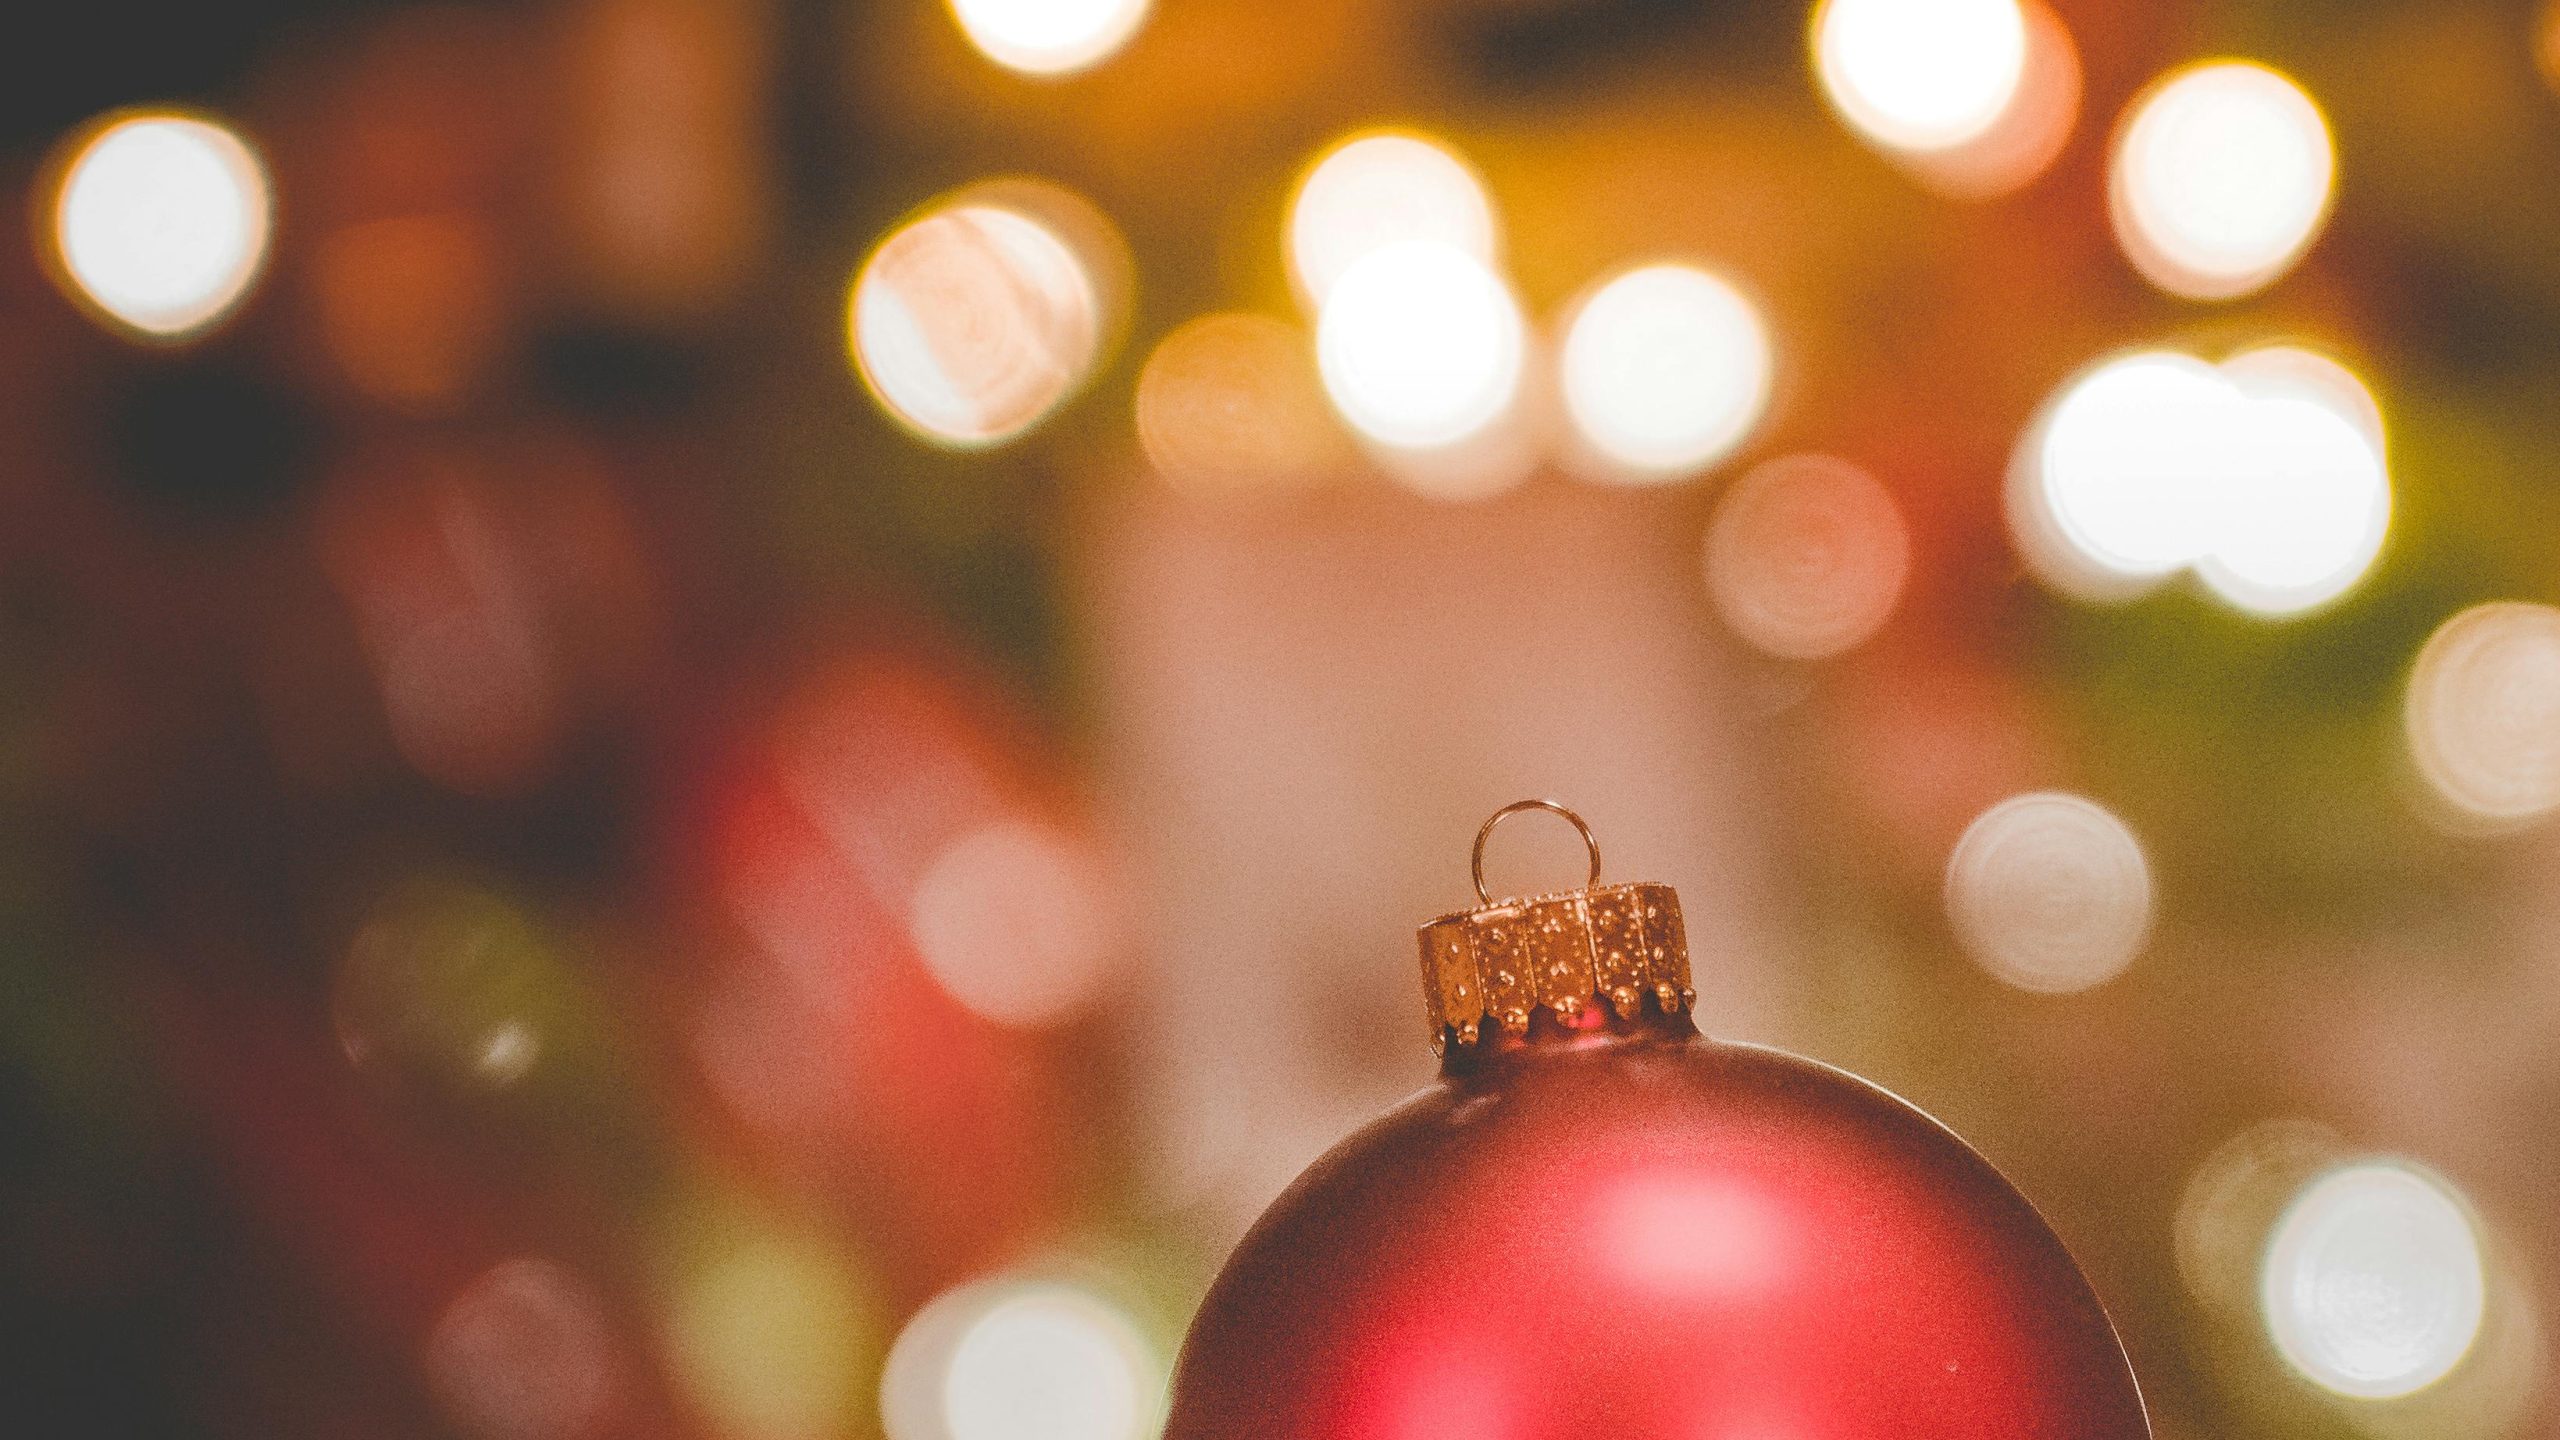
1621, 945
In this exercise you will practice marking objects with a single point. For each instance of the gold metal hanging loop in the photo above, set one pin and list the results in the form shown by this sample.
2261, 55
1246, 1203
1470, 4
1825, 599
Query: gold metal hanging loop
1514, 808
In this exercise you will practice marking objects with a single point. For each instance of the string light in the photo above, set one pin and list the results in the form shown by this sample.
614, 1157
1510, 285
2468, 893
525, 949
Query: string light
1665, 370
1806, 556
2050, 892
971, 324
1049, 37
161, 222
1420, 345
1920, 75
2223, 173
1379, 189
2372, 1285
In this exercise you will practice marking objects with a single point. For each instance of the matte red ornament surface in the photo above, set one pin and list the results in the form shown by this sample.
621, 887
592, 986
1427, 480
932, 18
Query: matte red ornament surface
1626, 1230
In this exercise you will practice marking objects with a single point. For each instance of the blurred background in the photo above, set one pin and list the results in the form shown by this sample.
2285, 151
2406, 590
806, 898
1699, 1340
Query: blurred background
723, 718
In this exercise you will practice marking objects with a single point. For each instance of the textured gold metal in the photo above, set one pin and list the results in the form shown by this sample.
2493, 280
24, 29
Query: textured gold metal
1619, 945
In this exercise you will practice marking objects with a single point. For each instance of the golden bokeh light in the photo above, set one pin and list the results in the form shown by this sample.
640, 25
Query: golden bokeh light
2482, 713
974, 322
1022, 1359
161, 222
1049, 37
2050, 892
1230, 405
2372, 1285
2546, 42
1666, 369
1920, 75
2223, 173
447, 983
2297, 372
1014, 920
2029, 135
1420, 346
1380, 189
2266, 475
2303, 514
766, 1329
1806, 556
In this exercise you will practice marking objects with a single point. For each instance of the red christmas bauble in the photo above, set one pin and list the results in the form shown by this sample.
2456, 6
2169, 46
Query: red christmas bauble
1600, 1224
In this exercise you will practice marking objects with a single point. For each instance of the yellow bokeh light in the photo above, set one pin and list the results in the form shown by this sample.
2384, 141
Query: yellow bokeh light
161, 222
766, 1331
1049, 37
1920, 75
2050, 892
1021, 1359
2482, 713
1806, 556
2306, 374
2222, 175
1420, 346
2029, 134
1666, 369
1380, 189
2266, 475
2372, 1284
1230, 405
971, 324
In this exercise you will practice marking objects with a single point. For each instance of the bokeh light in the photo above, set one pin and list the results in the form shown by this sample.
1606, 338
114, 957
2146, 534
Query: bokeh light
1420, 345
162, 222
1665, 370
2230, 1203
1806, 556
446, 982
2050, 892
2297, 372
524, 1352
2482, 713
2222, 175
1014, 920
412, 308
1380, 189
1018, 1359
2546, 42
769, 1331
1049, 37
2029, 135
972, 323
2373, 1286
1230, 405
2266, 475
1920, 74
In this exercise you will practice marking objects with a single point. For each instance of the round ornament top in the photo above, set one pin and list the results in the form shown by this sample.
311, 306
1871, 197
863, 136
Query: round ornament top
1566, 952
